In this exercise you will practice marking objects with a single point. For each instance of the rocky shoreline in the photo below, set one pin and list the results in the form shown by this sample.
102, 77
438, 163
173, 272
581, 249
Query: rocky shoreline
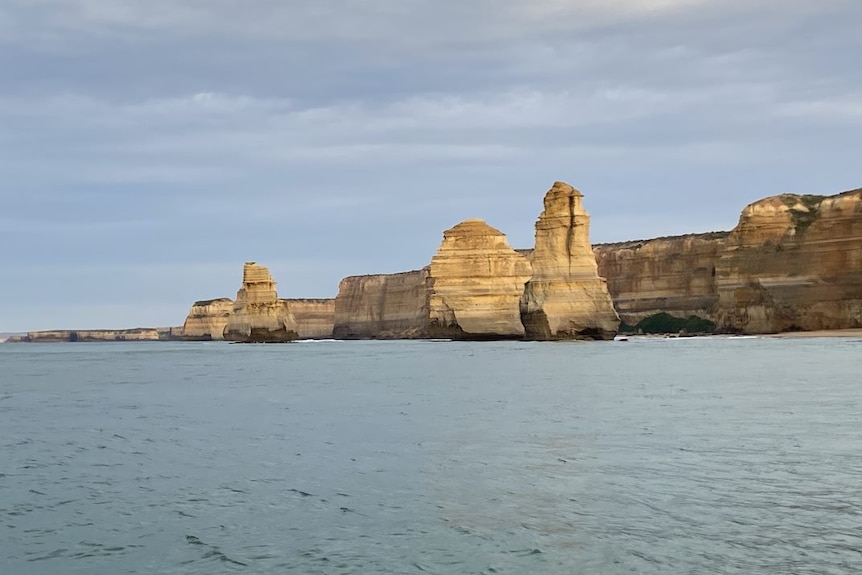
792, 267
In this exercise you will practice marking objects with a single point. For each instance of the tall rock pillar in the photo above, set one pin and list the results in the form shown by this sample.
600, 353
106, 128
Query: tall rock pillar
566, 298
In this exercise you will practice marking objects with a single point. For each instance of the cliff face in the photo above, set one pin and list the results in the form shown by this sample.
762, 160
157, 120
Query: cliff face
207, 319
258, 315
389, 306
792, 263
313, 318
478, 287
102, 335
672, 275
476, 282
566, 298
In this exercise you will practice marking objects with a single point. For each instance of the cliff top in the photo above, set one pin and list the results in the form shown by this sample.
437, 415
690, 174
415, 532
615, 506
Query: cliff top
212, 301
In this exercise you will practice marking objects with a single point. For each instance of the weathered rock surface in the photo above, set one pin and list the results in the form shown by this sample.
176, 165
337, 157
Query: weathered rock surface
312, 318
478, 287
566, 298
674, 275
792, 263
385, 306
207, 319
476, 281
258, 315
97, 335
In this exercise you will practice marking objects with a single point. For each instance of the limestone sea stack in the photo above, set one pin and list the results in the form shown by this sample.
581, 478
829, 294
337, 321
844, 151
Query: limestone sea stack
566, 298
476, 281
207, 319
258, 316
478, 287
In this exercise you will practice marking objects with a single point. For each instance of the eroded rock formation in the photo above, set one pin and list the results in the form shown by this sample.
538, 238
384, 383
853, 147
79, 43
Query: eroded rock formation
674, 275
386, 306
207, 319
478, 287
566, 298
793, 262
476, 281
258, 315
101, 335
312, 318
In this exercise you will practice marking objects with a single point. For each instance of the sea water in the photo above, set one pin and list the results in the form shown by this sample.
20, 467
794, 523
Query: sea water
708, 455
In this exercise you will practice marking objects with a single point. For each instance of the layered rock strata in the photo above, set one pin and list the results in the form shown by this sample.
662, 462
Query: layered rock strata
793, 262
386, 306
207, 319
476, 281
312, 318
258, 316
101, 335
674, 275
566, 297
478, 287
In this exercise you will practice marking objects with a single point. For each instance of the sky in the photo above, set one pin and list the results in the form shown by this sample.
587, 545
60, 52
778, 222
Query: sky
150, 147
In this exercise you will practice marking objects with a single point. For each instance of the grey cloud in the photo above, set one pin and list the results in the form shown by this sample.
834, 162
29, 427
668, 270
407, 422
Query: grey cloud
162, 135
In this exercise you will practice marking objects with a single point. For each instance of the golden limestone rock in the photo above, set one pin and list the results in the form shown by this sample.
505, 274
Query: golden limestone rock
207, 319
673, 275
383, 306
313, 318
793, 262
476, 281
566, 298
258, 315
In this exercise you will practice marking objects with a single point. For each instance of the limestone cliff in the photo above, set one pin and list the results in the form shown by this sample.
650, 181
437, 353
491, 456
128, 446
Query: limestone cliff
674, 275
476, 281
793, 262
101, 335
387, 306
207, 319
258, 316
313, 318
566, 298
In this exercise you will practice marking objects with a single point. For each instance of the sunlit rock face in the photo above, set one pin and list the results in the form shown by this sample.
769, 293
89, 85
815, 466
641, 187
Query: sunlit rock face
476, 281
566, 298
207, 319
382, 306
258, 315
313, 318
793, 262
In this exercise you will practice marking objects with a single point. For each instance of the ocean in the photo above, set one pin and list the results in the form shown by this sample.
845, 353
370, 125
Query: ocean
652, 456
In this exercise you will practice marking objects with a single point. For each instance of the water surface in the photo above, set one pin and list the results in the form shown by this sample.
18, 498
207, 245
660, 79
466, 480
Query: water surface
709, 455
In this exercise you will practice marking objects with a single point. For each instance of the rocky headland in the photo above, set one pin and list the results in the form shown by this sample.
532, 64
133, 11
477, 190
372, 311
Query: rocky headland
478, 287
99, 335
792, 263
258, 315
